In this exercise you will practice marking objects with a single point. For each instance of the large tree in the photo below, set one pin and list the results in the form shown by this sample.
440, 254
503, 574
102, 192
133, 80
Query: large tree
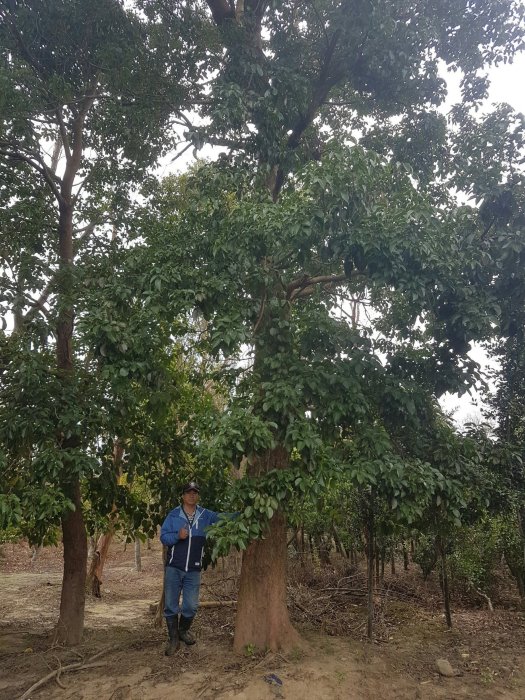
87, 94
284, 234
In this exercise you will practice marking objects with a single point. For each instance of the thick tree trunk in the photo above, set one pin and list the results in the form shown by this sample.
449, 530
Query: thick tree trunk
262, 617
70, 626
392, 562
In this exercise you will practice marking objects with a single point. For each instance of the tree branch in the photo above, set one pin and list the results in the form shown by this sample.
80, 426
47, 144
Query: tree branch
57, 148
323, 86
39, 166
73, 163
63, 134
39, 304
306, 286
319, 279
221, 10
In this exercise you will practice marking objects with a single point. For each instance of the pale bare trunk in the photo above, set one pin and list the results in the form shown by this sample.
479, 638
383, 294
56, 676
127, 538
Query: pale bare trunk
371, 552
94, 579
138, 559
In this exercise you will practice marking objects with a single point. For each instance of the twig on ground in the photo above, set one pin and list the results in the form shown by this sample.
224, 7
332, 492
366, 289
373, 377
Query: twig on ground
264, 658
203, 689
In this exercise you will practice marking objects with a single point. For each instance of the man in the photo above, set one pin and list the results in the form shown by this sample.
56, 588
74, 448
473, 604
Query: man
184, 533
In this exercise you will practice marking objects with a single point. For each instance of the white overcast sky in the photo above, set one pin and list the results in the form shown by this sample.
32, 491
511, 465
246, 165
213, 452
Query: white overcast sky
507, 85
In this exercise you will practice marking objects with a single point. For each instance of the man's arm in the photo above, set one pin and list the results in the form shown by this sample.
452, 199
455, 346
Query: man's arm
168, 534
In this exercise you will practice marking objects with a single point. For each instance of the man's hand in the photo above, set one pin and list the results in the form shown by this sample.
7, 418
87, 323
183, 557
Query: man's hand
183, 533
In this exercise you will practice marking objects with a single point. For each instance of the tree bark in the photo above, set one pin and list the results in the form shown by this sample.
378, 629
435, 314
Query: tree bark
370, 576
138, 559
405, 557
262, 617
98, 561
340, 548
70, 626
446, 589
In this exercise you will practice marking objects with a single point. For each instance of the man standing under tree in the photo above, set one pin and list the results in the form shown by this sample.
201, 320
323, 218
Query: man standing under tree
184, 533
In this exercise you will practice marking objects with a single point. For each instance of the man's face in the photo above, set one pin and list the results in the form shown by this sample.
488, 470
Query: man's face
190, 498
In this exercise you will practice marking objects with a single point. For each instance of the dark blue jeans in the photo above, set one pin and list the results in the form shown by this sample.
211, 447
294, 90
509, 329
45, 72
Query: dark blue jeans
175, 582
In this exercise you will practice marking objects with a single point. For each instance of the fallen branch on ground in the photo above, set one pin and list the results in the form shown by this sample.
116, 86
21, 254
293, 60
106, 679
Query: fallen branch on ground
484, 595
45, 679
78, 666
217, 603
154, 607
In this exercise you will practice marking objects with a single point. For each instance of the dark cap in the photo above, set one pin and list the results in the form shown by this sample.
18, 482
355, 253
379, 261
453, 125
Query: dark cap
190, 486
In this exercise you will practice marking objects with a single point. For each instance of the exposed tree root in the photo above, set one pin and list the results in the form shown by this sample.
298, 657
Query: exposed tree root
78, 666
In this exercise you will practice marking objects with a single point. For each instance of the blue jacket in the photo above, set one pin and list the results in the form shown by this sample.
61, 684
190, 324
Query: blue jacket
186, 554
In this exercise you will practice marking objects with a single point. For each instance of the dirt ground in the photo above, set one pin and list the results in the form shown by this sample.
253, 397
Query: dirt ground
486, 651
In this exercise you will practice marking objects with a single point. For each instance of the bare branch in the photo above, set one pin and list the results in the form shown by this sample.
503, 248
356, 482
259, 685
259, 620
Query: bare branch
180, 153
63, 134
57, 148
307, 285
320, 279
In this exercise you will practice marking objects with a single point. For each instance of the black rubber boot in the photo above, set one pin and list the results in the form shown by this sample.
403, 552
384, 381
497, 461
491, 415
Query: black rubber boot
173, 644
184, 626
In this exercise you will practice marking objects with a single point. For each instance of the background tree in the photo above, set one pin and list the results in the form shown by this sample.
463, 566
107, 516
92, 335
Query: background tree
97, 83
